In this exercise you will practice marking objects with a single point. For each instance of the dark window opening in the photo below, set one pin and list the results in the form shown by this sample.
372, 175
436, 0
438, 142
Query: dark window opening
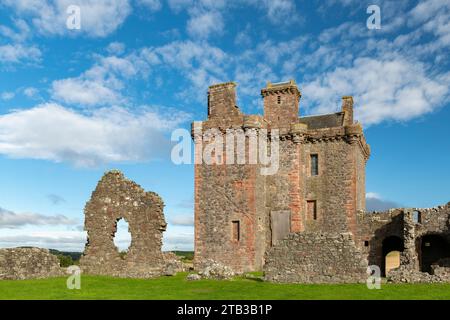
236, 231
366, 243
279, 99
314, 164
312, 209
433, 247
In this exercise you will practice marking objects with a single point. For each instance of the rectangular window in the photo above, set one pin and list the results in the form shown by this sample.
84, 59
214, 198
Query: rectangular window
236, 231
312, 209
417, 217
314, 164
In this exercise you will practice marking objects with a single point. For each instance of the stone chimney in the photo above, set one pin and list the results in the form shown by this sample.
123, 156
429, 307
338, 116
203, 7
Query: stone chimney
222, 100
347, 108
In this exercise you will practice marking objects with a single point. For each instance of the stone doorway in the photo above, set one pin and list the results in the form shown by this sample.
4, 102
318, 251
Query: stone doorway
433, 247
280, 225
392, 248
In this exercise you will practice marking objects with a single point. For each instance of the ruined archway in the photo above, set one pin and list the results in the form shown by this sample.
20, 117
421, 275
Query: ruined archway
433, 247
115, 198
391, 251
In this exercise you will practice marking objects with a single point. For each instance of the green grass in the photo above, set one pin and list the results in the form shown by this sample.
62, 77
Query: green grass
96, 287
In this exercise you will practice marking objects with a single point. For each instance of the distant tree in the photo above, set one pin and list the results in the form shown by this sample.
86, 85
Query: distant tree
65, 261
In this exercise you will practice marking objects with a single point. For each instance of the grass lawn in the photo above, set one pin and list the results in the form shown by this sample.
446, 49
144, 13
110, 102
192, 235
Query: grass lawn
96, 287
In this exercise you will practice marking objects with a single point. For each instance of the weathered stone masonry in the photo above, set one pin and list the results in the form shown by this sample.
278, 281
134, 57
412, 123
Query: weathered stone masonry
28, 263
264, 205
115, 198
314, 257
422, 236
300, 224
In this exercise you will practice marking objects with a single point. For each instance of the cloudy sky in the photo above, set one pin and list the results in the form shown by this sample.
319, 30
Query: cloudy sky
77, 102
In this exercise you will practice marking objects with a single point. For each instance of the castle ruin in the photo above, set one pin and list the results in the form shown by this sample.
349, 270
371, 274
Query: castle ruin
307, 222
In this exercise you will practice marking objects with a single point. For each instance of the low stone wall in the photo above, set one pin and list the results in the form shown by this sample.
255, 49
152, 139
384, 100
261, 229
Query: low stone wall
316, 258
28, 263
172, 264
404, 274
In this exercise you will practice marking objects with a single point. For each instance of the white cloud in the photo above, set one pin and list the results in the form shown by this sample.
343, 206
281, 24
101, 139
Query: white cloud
178, 238
17, 53
7, 95
30, 92
374, 202
52, 132
100, 85
116, 48
428, 9
435, 17
201, 63
98, 18
390, 89
22, 33
152, 5
281, 12
243, 37
86, 92
60, 240
204, 24
12, 220
182, 220
373, 195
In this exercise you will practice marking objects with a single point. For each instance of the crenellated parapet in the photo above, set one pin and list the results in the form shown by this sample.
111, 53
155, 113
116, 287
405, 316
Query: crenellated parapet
280, 88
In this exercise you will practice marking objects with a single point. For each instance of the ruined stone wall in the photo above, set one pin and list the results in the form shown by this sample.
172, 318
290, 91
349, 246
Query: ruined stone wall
28, 263
315, 258
373, 228
408, 225
116, 197
433, 221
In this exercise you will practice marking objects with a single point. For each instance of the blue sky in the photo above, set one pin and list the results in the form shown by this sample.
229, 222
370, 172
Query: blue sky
75, 103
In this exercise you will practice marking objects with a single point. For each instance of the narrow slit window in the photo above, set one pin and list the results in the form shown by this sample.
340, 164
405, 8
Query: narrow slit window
312, 209
417, 217
236, 230
314, 164
279, 99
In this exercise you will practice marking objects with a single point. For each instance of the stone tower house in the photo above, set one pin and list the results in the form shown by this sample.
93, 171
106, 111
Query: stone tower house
319, 185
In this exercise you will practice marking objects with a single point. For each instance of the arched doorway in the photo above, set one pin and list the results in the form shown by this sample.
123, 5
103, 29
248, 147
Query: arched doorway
392, 247
433, 247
